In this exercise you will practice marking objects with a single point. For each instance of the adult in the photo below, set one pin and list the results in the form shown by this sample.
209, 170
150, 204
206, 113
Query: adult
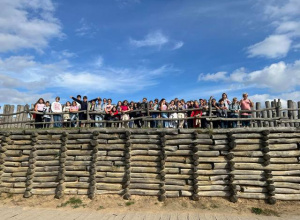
172, 115
246, 104
125, 116
164, 107
99, 109
197, 115
235, 108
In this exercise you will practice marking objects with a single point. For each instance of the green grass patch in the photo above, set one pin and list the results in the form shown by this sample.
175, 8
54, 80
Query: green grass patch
73, 202
129, 203
267, 212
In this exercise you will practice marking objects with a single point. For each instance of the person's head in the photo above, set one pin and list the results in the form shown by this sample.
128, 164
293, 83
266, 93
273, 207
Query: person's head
176, 100
196, 104
163, 101
79, 97
125, 103
213, 101
182, 101
144, 99
104, 100
245, 95
119, 103
234, 100
85, 98
114, 109
221, 101
41, 101
204, 102
109, 101
172, 102
68, 103
47, 103
93, 102
192, 103
179, 104
74, 103
150, 102
155, 101
57, 99
99, 100
224, 96
131, 103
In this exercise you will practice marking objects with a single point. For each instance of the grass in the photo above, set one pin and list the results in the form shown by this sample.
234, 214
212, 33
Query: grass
73, 202
267, 212
129, 203
100, 207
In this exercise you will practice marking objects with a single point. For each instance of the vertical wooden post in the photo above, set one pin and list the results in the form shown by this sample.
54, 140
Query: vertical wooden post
258, 114
26, 116
93, 169
290, 105
230, 156
255, 115
31, 168
127, 176
298, 112
269, 114
87, 124
3, 149
62, 170
210, 113
163, 156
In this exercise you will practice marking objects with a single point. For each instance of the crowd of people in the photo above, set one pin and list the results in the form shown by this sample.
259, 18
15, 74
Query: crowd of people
174, 114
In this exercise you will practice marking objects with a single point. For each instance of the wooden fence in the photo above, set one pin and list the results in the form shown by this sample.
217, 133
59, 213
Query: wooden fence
273, 115
252, 163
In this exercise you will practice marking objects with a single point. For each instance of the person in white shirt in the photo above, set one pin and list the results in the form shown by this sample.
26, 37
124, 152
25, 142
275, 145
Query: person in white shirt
56, 108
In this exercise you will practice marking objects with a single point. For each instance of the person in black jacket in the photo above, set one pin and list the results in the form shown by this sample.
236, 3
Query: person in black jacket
84, 106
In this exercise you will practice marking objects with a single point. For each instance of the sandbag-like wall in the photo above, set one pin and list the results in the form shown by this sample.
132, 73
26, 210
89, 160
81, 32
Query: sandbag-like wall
254, 163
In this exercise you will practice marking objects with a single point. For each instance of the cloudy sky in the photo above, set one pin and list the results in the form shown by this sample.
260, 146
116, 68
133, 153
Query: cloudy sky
128, 49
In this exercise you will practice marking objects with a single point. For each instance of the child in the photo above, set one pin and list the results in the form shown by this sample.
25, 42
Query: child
222, 113
66, 116
56, 108
172, 106
197, 114
235, 108
39, 107
74, 114
47, 118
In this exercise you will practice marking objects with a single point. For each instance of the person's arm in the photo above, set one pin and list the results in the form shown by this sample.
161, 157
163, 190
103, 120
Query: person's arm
94, 99
35, 107
76, 100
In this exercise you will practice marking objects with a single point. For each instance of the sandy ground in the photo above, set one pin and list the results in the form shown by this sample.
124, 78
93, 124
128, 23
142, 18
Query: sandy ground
111, 203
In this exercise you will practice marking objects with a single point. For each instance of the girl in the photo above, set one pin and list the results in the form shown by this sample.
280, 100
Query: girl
164, 107
154, 107
197, 114
74, 114
114, 115
39, 107
222, 113
92, 107
180, 114
172, 106
66, 116
125, 116
235, 108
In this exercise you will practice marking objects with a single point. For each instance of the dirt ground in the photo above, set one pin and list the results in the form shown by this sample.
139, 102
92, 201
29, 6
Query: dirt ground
111, 203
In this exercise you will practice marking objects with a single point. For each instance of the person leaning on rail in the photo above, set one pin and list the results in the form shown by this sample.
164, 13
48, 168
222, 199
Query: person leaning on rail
246, 104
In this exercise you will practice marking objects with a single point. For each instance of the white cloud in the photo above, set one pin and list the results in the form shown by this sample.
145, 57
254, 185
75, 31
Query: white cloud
285, 16
278, 77
178, 45
290, 8
85, 29
156, 38
31, 78
27, 24
212, 76
274, 46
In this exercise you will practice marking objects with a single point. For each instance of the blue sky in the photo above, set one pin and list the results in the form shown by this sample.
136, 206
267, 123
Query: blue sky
130, 49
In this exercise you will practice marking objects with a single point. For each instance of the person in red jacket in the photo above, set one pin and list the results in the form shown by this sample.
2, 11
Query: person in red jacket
114, 115
197, 114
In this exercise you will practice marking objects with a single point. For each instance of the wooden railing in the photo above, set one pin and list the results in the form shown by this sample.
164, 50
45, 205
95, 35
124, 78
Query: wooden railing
273, 115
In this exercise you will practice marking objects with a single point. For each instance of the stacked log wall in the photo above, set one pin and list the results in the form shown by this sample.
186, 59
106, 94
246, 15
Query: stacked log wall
254, 163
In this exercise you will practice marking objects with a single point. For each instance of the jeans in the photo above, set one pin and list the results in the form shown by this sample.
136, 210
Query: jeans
246, 123
153, 123
99, 118
47, 120
234, 123
165, 123
57, 121
173, 124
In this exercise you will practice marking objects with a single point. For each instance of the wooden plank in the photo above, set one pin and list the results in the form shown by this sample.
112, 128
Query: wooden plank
258, 114
269, 113
19, 116
290, 105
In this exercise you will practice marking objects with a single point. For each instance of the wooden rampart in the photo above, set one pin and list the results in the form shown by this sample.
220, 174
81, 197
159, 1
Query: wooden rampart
253, 163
